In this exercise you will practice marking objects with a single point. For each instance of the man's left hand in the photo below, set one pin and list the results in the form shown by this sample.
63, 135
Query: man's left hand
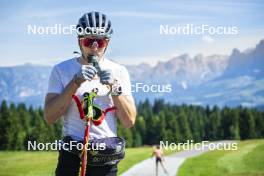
106, 77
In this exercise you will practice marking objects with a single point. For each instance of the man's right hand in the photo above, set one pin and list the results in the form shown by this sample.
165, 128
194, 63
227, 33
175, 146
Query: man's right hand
87, 72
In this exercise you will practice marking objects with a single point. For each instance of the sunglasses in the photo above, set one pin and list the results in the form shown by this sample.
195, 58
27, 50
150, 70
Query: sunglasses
88, 42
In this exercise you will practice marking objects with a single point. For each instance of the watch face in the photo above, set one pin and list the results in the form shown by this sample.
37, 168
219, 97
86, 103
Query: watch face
119, 90
116, 89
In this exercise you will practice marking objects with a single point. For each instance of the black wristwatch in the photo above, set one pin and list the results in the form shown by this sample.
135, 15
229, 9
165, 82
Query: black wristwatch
116, 89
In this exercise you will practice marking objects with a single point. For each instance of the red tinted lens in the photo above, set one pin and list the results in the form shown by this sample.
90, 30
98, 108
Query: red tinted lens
87, 42
101, 43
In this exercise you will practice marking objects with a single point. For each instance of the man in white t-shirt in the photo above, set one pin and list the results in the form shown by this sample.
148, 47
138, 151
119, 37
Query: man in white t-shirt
77, 76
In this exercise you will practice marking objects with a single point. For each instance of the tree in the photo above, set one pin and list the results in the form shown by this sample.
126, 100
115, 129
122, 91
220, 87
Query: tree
259, 121
185, 132
137, 141
17, 134
5, 126
24, 120
234, 128
160, 121
140, 127
38, 132
215, 124
194, 125
247, 124
172, 129
127, 134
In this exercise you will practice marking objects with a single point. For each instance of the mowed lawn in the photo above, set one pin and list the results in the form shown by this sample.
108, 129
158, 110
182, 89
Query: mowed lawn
26, 163
248, 160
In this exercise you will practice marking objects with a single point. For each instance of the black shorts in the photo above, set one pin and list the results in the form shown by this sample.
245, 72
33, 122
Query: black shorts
69, 165
158, 159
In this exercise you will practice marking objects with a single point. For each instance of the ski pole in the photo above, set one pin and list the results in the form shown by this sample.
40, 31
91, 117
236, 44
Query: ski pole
88, 100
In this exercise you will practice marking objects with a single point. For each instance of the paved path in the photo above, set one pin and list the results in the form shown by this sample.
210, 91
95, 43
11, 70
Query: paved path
172, 163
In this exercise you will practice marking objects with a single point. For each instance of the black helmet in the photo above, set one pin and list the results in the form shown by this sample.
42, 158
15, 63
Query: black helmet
95, 24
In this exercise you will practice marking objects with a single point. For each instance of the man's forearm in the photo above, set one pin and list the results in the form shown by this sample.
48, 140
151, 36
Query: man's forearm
58, 105
126, 110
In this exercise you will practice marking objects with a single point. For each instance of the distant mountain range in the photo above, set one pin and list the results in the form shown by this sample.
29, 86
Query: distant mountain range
221, 80
25, 83
192, 71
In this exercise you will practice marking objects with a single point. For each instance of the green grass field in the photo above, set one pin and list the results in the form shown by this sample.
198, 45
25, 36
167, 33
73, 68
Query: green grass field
248, 160
44, 163
27, 163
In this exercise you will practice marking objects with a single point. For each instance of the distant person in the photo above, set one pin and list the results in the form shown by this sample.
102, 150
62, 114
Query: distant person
159, 158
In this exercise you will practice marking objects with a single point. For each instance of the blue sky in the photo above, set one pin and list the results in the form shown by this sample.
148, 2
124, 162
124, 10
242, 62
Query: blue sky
136, 26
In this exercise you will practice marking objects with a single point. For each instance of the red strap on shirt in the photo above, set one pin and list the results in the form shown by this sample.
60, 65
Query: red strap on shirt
100, 120
79, 105
82, 115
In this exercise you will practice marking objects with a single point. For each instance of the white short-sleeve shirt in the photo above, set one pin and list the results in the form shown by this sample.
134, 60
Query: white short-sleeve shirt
73, 126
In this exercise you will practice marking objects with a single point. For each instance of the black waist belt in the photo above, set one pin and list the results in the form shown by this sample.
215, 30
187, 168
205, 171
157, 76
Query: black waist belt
105, 151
